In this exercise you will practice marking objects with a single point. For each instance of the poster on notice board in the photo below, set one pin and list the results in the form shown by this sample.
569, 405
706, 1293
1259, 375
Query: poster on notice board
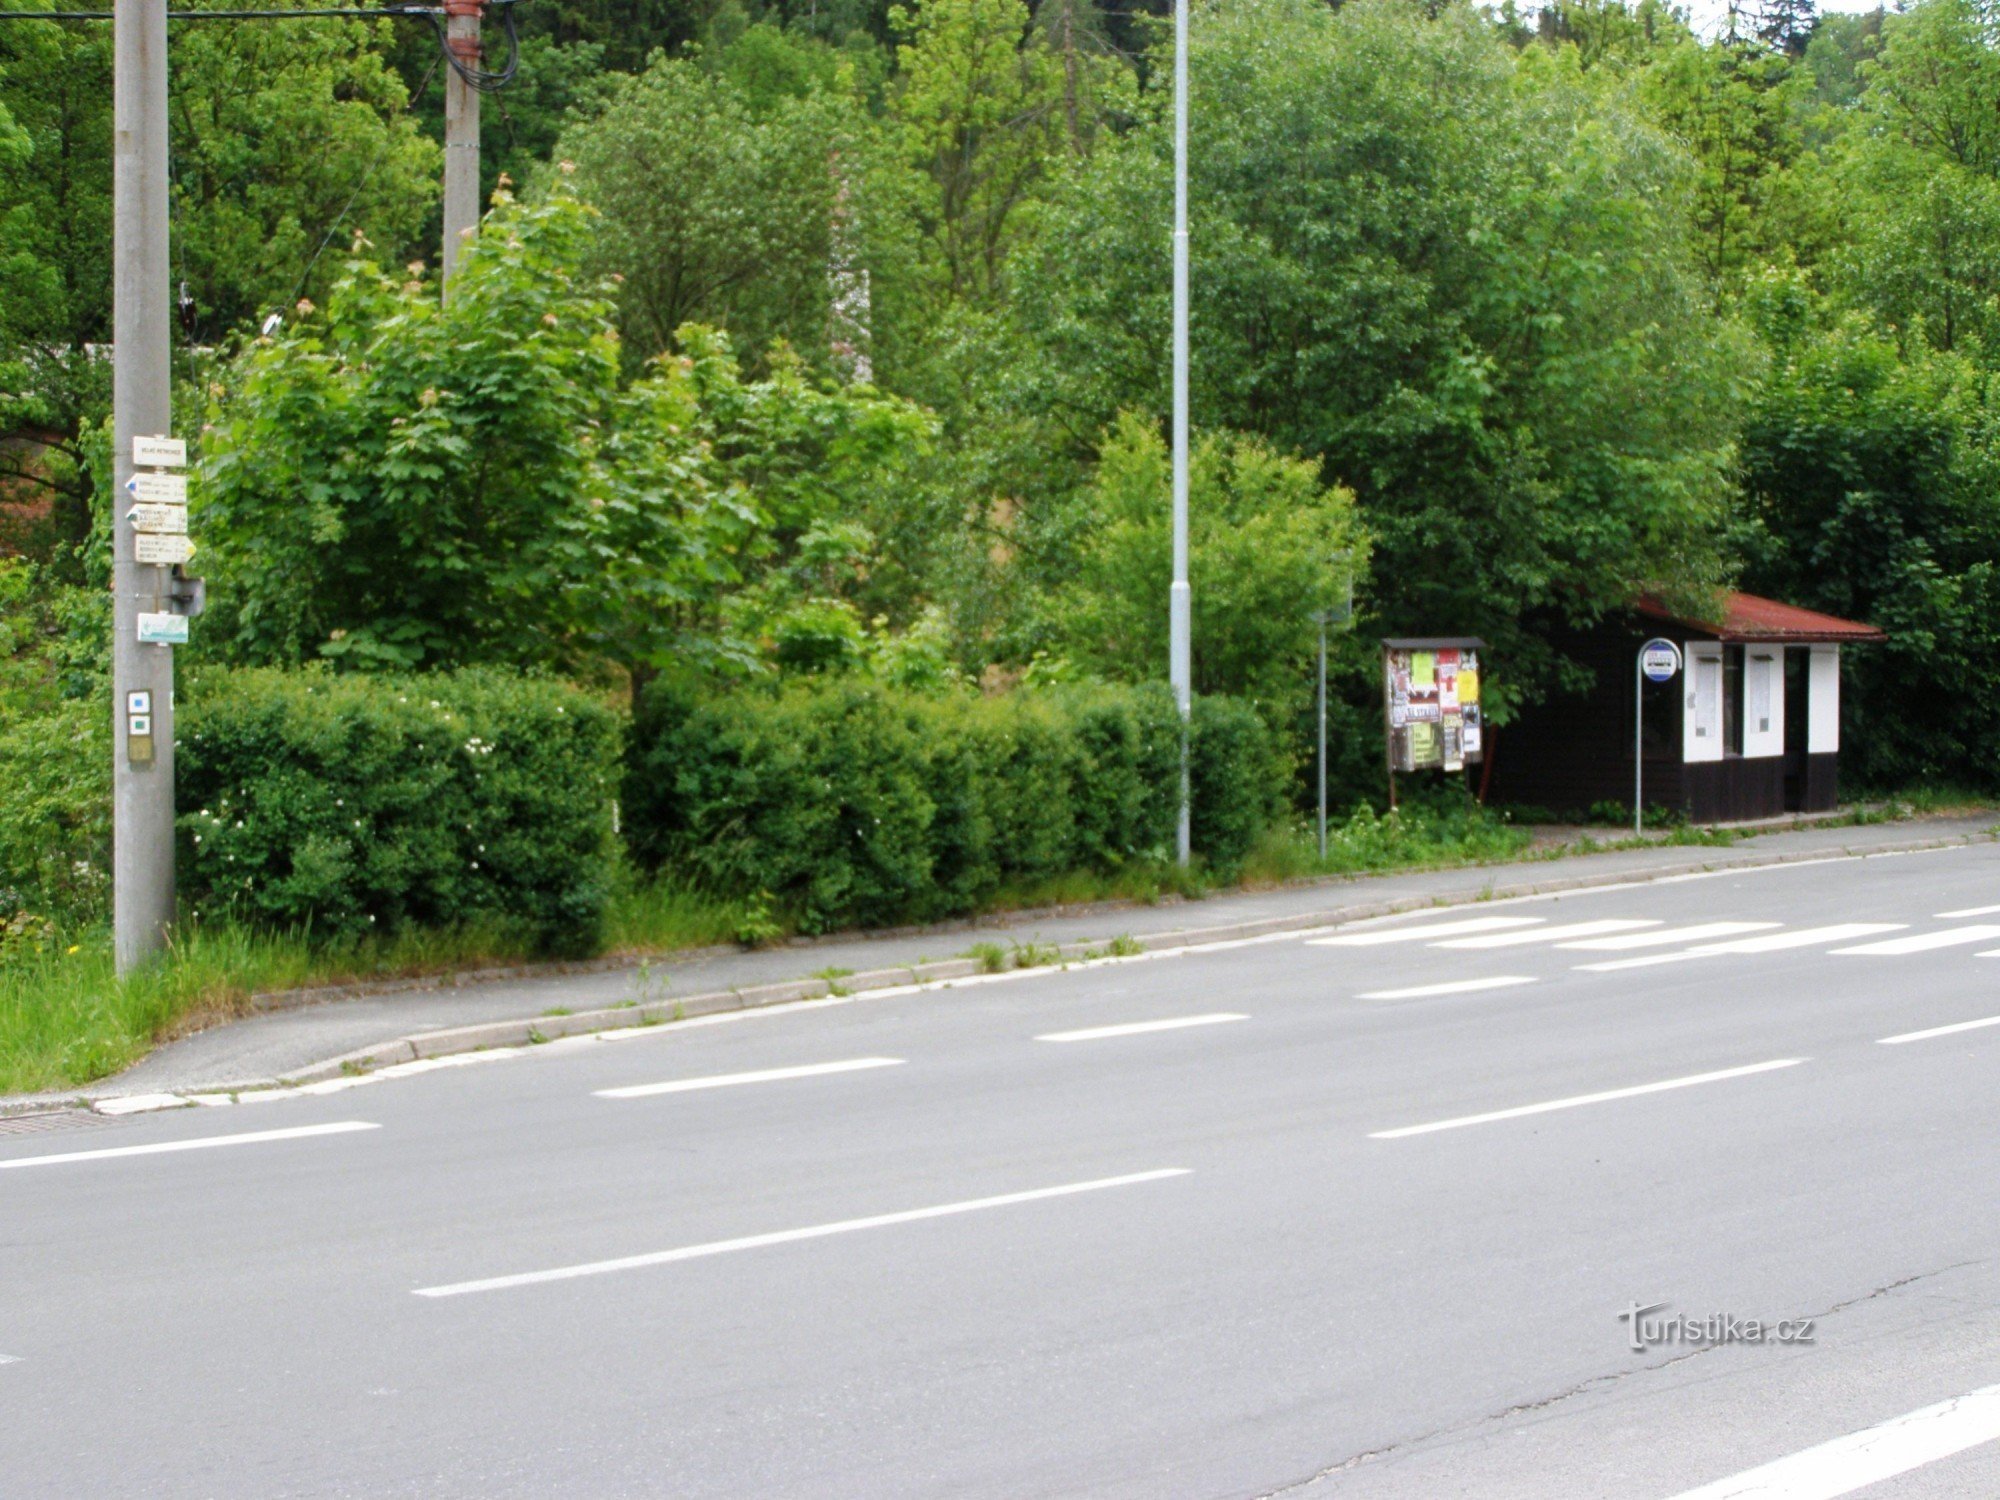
1431, 694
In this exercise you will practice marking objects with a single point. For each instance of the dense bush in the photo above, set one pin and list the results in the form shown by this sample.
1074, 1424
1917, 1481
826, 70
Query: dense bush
357, 804
853, 803
55, 756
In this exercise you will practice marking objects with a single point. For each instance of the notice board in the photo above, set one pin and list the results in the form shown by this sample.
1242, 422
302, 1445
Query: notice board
1431, 703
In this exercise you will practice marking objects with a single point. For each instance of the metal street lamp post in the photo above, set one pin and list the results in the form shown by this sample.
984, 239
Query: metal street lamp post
1340, 614
1180, 670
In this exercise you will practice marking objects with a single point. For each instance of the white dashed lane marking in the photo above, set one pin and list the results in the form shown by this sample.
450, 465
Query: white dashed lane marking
1925, 942
1772, 942
199, 1143
1463, 928
1936, 1031
761, 1075
1139, 1028
791, 1236
1576, 1100
1453, 987
1550, 934
1868, 1457
1700, 932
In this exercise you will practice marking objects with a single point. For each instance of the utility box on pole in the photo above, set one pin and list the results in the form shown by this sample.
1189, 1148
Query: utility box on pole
142, 671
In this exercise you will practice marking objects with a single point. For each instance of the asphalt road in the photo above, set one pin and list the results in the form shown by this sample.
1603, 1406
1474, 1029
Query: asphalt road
1349, 1227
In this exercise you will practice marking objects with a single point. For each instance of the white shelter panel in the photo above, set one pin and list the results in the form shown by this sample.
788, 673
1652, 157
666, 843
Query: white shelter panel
1823, 701
1763, 701
1701, 731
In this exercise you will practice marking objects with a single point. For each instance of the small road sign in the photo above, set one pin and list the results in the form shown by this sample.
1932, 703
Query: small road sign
160, 452
1660, 660
161, 550
159, 520
160, 489
163, 630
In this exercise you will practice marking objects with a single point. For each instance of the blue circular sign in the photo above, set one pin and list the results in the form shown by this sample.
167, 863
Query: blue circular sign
1660, 660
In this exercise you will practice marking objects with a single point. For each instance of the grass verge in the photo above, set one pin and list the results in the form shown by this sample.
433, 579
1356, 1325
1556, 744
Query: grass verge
67, 1019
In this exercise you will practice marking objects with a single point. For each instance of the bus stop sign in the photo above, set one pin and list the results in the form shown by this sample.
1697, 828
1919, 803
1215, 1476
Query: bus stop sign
1660, 660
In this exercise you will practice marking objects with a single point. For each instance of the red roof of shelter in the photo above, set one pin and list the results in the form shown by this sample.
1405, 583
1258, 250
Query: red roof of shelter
1745, 617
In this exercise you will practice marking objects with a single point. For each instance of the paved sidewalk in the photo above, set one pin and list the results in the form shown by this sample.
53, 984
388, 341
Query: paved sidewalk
300, 1040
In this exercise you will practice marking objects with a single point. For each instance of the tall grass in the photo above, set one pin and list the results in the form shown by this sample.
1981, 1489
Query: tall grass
66, 1018
1365, 841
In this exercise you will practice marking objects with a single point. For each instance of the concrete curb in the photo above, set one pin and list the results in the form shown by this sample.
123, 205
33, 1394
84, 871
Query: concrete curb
420, 1046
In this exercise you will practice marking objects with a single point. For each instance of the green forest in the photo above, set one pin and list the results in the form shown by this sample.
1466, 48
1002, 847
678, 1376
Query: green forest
826, 341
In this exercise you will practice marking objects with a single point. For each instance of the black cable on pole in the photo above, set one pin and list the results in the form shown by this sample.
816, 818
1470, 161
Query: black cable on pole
370, 12
479, 79
216, 15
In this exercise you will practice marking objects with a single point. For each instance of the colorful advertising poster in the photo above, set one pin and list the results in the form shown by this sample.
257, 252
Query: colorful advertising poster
1424, 708
1431, 701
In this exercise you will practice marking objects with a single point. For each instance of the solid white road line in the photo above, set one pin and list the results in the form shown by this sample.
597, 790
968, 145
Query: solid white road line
788, 1236
1924, 942
1461, 928
1700, 932
1135, 1028
1550, 934
1970, 911
1770, 942
1454, 987
1924, 1036
1867, 1457
199, 1143
762, 1075
1579, 1099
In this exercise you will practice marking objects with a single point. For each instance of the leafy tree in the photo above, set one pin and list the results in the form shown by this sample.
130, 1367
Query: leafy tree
250, 206
1840, 44
1606, 32
1738, 105
1787, 25
1873, 474
718, 204
1270, 543
984, 108
1458, 277
393, 482
55, 265
1916, 185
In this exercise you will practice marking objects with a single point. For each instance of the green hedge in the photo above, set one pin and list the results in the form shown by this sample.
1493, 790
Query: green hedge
856, 804
366, 803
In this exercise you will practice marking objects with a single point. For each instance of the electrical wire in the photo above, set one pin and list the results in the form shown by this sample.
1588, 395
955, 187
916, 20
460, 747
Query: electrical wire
217, 15
478, 79
372, 12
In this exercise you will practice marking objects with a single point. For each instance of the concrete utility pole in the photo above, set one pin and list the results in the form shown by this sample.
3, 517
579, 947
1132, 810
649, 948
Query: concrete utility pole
142, 817
461, 129
1180, 667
